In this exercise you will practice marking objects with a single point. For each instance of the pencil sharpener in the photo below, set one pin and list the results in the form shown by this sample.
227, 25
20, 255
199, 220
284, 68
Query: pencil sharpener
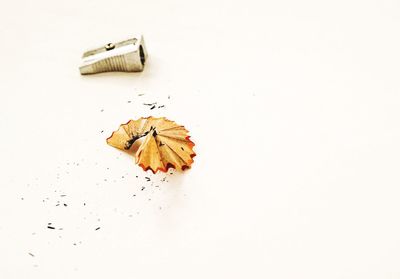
125, 56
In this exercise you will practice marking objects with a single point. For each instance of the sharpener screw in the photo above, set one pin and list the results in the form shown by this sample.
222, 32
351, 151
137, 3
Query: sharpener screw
110, 46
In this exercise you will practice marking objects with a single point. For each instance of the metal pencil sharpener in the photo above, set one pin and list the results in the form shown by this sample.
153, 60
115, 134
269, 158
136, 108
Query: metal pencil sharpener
126, 56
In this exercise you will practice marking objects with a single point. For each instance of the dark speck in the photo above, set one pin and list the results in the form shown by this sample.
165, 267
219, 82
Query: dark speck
51, 227
98, 228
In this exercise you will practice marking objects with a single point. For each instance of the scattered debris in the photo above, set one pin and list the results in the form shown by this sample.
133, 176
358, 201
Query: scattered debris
57, 195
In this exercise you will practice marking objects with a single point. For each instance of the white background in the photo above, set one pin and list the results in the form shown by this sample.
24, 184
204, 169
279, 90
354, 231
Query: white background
294, 109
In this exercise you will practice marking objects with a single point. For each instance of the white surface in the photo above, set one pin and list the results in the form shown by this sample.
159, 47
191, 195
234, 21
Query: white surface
293, 105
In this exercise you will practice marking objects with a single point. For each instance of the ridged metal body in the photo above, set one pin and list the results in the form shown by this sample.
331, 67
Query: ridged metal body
126, 56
